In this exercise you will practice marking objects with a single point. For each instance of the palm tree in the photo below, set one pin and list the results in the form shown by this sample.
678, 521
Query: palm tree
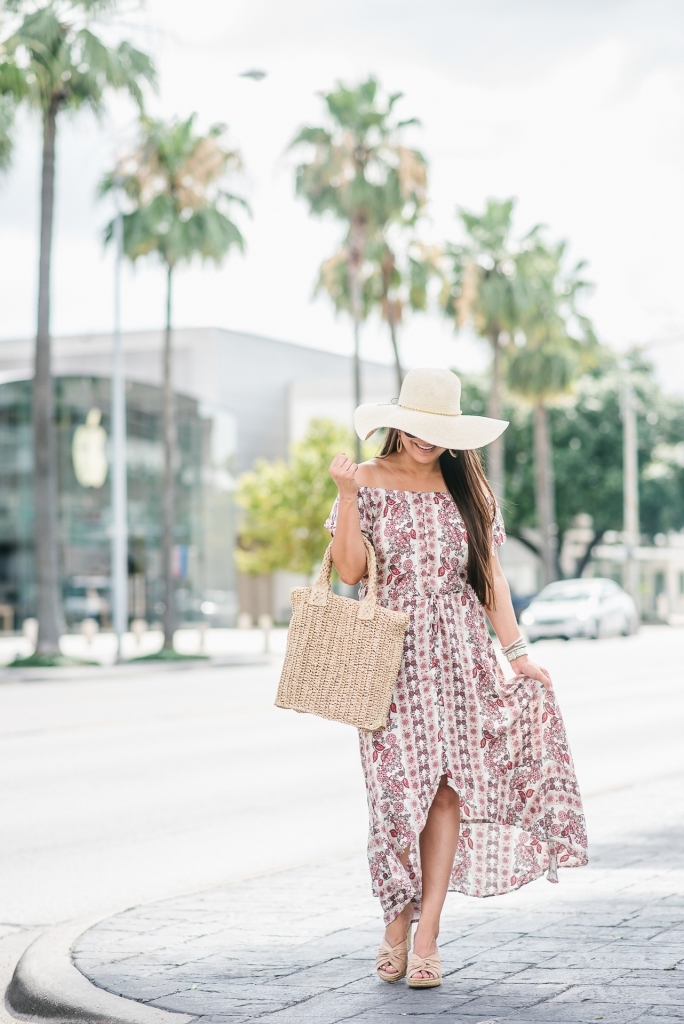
54, 61
559, 345
389, 281
400, 271
360, 172
174, 183
335, 280
483, 290
6, 124
387, 284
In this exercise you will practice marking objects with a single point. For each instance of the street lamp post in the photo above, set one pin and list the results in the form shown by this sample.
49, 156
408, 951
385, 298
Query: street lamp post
118, 472
630, 477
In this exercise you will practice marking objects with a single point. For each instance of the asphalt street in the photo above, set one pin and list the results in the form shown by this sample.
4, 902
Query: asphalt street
120, 791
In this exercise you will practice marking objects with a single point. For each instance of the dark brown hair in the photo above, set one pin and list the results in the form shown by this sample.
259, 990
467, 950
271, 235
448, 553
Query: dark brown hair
469, 487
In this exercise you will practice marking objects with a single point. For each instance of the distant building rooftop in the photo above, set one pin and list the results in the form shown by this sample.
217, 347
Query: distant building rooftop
265, 384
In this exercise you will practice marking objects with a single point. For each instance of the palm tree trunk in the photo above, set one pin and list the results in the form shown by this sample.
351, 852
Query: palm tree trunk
357, 249
495, 450
395, 348
169, 423
43, 414
545, 492
357, 385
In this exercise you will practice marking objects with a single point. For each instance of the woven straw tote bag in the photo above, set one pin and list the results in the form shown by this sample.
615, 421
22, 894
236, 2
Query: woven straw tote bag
343, 656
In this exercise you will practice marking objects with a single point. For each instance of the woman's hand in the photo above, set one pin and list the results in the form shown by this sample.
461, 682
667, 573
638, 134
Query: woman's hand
526, 667
343, 471
348, 549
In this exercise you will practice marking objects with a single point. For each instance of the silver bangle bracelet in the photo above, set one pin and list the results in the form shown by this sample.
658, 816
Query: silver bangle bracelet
509, 647
519, 652
515, 650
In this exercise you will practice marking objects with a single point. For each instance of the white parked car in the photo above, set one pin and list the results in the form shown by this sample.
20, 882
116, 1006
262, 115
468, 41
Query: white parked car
584, 607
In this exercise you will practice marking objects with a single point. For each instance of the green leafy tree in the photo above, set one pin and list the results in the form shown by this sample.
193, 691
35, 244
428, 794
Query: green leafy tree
588, 440
483, 289
52, 61
586, 433
286, 504
178, 209
558, 346
359, 172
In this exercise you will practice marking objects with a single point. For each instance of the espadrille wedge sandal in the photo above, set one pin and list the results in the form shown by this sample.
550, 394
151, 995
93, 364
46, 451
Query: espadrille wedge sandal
433, 964
395, 955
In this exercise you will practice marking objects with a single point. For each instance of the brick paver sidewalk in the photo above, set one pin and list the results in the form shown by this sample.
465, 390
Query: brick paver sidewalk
606, 944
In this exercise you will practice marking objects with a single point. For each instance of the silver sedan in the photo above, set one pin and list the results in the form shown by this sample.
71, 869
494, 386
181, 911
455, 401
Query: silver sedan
583, 607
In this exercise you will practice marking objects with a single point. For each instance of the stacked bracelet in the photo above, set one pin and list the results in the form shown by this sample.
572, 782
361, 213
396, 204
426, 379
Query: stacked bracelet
515, 650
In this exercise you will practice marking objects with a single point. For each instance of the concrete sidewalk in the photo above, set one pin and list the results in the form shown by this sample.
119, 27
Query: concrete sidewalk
606, 944
102, 647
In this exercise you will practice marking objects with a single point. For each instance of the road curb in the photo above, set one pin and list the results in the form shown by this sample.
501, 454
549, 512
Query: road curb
131, 668
47, 986
11, 948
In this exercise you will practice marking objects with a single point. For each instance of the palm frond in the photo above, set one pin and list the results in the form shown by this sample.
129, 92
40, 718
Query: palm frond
7, 109
174, 184
312, 136
67, 65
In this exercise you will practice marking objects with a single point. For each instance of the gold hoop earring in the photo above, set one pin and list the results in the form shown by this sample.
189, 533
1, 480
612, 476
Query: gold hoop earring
452, 454
399, 444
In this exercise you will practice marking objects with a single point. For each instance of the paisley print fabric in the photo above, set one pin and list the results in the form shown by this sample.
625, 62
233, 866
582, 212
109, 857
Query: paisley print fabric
500, 742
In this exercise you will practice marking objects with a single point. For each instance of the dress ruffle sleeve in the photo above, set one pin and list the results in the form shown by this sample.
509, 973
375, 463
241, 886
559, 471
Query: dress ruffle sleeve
498, 528
365, 517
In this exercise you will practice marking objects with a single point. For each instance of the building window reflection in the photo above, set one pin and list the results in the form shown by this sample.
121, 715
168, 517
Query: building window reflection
203, 503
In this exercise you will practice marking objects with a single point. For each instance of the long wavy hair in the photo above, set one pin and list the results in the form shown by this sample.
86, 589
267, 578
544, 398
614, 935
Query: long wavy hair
469, 487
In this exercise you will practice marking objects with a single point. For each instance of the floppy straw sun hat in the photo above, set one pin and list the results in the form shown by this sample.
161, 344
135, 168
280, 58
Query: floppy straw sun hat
429, 407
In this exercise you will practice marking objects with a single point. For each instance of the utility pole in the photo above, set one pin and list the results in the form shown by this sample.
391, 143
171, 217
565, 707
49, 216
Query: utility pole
356, 246
119, 462
357, 387
630, 478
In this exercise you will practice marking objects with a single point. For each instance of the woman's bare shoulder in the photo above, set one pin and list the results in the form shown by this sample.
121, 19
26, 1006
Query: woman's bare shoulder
372, 473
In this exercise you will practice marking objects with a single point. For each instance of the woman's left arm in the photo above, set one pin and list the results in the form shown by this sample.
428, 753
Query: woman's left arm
502, 618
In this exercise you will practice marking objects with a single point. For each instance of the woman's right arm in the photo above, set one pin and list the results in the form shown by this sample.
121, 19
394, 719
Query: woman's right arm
348, 551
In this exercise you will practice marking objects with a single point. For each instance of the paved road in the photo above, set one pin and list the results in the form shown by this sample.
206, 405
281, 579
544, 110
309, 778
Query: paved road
129, 789
124, 791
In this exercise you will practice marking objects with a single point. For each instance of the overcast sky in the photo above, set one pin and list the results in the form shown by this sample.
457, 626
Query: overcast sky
575, 109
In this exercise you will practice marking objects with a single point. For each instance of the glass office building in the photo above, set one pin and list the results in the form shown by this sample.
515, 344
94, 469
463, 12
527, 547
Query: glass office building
204, 526
240, 397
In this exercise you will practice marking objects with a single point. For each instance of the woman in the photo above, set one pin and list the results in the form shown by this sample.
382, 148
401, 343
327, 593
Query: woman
464, 750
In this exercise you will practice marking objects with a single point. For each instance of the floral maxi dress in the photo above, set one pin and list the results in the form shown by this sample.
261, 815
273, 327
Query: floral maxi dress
500, 742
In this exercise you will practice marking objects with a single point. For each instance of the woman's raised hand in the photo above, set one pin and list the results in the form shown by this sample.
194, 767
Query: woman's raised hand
343, 471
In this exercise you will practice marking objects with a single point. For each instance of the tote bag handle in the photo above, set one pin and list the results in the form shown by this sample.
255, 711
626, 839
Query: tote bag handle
321, 588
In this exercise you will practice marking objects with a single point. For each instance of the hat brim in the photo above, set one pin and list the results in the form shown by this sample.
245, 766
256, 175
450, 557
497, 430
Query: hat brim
459, 432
